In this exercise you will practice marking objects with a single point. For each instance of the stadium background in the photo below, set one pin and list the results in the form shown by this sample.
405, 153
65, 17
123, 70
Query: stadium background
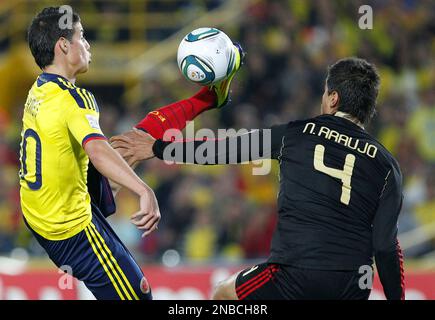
216, 220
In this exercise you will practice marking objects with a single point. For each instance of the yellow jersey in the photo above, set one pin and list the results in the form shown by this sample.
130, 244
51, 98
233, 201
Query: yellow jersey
59, 119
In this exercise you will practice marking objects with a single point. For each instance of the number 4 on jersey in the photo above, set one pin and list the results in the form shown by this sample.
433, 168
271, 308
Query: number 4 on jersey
344, 175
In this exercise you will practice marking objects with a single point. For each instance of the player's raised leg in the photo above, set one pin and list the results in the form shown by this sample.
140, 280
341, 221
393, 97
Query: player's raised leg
176, 115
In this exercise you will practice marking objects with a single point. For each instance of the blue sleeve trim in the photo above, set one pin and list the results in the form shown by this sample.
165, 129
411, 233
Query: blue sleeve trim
92, 136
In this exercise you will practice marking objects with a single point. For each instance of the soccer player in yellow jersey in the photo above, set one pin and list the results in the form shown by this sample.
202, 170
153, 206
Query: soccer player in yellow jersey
60, 135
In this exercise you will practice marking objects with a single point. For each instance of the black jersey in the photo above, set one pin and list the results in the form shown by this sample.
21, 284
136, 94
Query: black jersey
339, 198
332, 178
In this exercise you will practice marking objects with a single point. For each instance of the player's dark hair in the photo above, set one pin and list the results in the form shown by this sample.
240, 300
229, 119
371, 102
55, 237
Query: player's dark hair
357, 83
44, 31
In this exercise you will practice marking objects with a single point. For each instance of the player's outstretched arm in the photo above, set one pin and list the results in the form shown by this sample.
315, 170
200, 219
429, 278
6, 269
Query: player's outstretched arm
110, 164
388, 254
136, 146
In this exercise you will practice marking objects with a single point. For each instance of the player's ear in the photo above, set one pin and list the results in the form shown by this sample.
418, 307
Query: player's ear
63, 45
333, 101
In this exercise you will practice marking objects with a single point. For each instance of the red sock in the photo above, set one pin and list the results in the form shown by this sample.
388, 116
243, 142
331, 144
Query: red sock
175, 115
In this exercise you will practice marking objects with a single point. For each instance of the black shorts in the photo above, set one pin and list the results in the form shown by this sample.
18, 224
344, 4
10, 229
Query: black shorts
268, 281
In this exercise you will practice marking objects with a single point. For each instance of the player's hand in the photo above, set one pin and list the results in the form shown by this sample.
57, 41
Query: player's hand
148, 217
125, 154
134, 145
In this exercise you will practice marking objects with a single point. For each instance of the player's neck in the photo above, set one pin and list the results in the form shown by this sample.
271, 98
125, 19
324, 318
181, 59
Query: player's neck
61, 72
349, 117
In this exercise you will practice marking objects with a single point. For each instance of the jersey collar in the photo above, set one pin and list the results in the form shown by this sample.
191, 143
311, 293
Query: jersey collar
49, 77
347, 116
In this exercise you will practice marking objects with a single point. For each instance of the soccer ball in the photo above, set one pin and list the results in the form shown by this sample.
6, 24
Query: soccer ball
206, 56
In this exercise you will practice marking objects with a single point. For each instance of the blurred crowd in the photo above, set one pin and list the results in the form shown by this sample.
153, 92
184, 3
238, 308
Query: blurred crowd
224, 213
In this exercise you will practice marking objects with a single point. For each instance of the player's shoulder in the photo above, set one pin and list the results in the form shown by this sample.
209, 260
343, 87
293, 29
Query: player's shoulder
391, 163
75, 96
83, 98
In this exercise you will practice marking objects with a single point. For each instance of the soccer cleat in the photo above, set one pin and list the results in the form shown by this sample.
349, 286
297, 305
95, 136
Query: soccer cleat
222, 88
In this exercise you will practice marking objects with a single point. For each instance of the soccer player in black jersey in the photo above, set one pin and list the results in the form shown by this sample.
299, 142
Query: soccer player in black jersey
339, 200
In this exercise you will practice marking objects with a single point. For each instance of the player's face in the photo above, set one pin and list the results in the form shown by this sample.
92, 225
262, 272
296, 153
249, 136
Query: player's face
80, 55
